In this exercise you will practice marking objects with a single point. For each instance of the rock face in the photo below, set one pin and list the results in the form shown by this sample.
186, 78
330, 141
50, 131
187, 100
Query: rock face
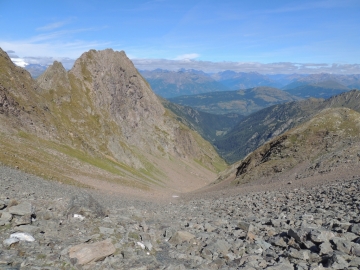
326, 143
103, 117
118, 89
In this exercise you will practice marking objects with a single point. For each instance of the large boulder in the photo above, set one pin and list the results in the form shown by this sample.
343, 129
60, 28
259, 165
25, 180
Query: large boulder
85, 205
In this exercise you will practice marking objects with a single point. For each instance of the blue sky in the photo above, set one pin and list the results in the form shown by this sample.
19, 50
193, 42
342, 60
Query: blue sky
204, 34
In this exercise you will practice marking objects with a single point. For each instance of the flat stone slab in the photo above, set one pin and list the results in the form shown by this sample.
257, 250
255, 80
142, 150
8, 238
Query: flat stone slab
22, 209
180, 237
87, 253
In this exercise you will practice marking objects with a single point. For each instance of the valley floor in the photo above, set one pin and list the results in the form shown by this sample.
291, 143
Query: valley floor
302, 225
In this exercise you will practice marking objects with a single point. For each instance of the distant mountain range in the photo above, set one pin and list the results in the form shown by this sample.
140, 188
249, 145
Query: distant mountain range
242, 102
169, 84
259, 127
35, 70
322, 89
243, 80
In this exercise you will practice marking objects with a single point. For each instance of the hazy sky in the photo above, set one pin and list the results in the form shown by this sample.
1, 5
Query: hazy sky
310, 34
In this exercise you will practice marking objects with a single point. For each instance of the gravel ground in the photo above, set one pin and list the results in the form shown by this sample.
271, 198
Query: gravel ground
64, 227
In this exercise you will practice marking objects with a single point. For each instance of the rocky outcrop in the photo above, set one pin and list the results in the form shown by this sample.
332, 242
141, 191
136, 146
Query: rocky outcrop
8, 105
56, 79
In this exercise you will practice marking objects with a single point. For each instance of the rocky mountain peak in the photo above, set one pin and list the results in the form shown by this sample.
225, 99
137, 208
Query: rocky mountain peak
100, 117
54, 77
116, 86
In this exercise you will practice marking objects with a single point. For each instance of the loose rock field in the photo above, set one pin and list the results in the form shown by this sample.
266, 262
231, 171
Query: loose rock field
46, 225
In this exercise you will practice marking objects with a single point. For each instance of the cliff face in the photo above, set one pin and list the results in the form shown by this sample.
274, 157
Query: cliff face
103, 109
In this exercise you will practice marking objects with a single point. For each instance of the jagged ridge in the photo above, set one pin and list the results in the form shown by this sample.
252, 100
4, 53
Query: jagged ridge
102, 114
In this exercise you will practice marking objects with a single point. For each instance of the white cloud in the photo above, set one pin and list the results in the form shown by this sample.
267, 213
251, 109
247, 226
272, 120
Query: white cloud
207, 66
54, 25
270, 68
19, 62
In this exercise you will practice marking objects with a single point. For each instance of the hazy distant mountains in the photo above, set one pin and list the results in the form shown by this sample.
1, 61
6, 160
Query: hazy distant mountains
36, 70
323, 89
242, 80
241, 102
169, 84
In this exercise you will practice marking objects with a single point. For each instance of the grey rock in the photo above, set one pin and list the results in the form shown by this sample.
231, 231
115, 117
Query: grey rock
21, 220
220, 246
298, 234
22, 209
105, 230
281, 266
320, 236
336, 261
28, 229
8, 256
342, 245
2, 204
180, 237
245, 226
354, 262
10, 241
325, 248
209, 228
298, 254
5, 217
355, 250
278, 241
355, 228
87, 253
264, 245
85, 205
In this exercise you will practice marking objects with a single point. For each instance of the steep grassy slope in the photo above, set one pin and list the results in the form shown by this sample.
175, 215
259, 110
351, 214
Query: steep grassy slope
209, 126
328, 142
99, 121
256, 129
241, 102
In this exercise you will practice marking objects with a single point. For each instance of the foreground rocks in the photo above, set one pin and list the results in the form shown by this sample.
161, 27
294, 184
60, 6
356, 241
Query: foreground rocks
317, 228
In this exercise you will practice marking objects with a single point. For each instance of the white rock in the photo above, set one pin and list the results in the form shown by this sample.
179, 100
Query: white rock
10, 241
78, 216
23, 237
141, 245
